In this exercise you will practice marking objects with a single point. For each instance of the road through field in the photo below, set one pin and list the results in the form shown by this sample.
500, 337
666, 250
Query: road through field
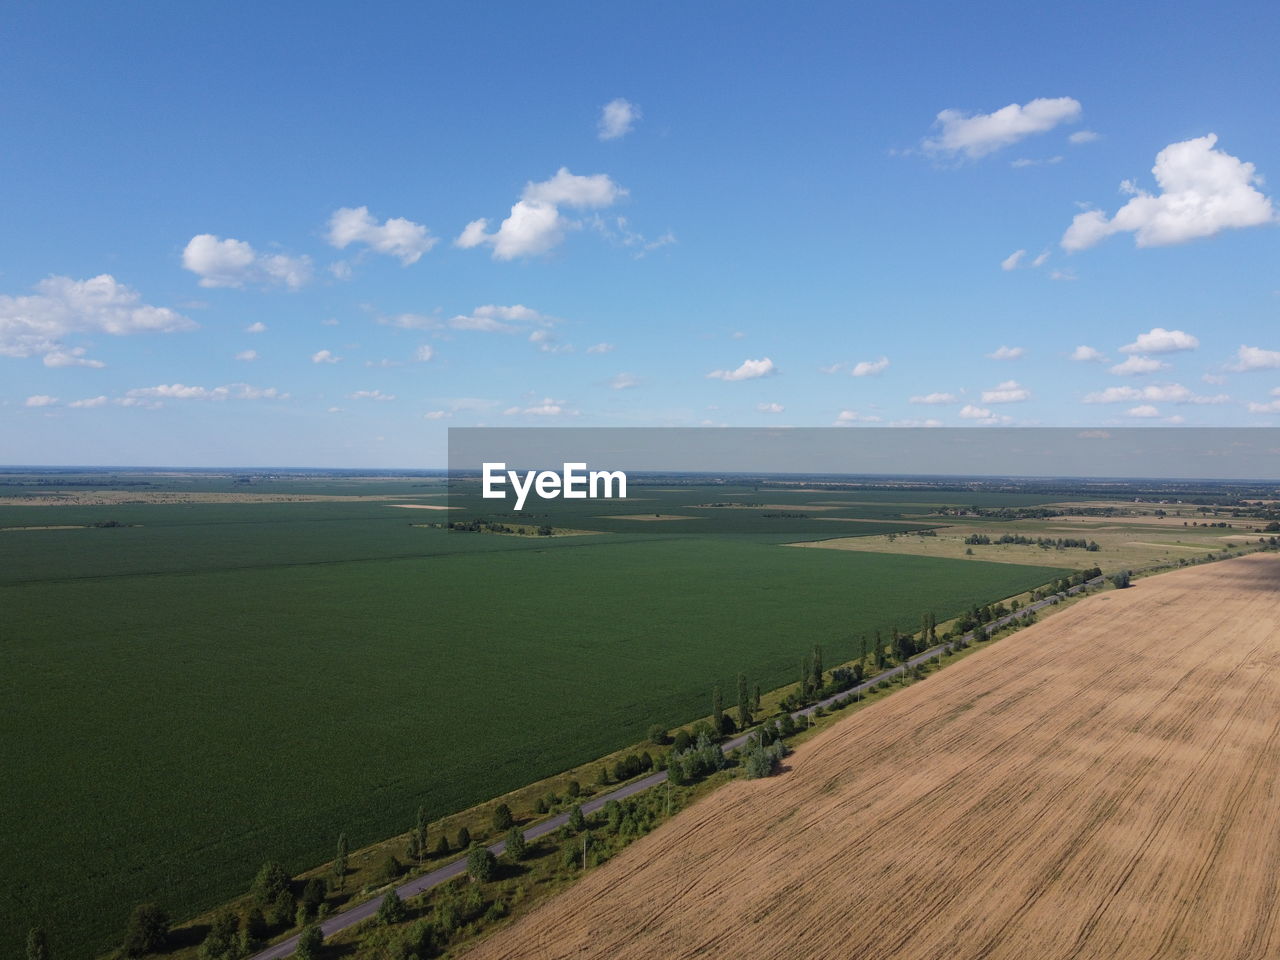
1102, 784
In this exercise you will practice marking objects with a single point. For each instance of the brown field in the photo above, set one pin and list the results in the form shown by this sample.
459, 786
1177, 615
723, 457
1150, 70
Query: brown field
1100, 785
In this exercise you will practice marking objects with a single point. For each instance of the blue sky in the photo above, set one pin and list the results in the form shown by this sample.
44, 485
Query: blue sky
771, 201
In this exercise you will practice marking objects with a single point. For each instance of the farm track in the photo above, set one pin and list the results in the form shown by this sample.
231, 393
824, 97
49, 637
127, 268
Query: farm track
1099, 785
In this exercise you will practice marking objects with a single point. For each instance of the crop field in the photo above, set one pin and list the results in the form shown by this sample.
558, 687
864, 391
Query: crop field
1102, 784
209, 685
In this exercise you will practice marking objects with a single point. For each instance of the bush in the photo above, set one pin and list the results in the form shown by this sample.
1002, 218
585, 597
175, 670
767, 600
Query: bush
573, 789
391, 869
271, 881
309, 943
464, 838
392, 909
682, 742
481, 865
442, 846
763, 761
517, 845
577, 822
502, 819
223, 941
147, 930
658, 735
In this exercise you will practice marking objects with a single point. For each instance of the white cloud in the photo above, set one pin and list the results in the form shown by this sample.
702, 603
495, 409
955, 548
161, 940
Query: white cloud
247, 355
548, 342
40, 400
1028, 162
424, 353
257, 327
831, 368
1137, 364
1251, 358
1083, 136
1272, 406
1145, 411
617, 118
930, 422
601, 348
1155, 393
1041, 259
849, 417
1086, 354
976, 135
396, 237
89, 402
371, 395
495, 318
1160, 340
233, 263
1012, 260
181, 391
1008, 392
535, 224
770, 407
1213, 378
62, 308
970, 412
75, 357
324, 356
547, 408
1007, 353
623, 381
1202, 191
1063, 275
749, 370
436, 415
870, 368
935, 398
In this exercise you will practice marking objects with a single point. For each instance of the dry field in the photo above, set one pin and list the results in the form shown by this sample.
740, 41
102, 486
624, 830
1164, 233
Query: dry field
1100, 785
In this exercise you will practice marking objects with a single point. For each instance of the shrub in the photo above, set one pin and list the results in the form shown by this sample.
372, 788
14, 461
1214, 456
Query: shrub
658, 735
391, 869
309, 943
271, 881
517, 845
577, 822
481, 865
502, 819
147, 930
763, 761
392, 909
464, 838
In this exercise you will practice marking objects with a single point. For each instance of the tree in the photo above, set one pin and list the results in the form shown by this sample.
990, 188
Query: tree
717, 709
1120, 580
744, 704
464, 838
502, 819
573, 789
658, 735
577, 821
756, 699
37, 944
391, 869
313, 892
147, 930
340, 861
272, 880
880, 652
309, 943
442, 846
482, 866
817, 667
223, 941
392, 909
517, 845
423, 822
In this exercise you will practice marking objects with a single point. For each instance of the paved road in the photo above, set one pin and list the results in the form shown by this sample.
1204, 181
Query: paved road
363, 911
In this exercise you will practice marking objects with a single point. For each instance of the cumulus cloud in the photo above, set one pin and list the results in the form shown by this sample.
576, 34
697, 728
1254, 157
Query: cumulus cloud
1272, 406
930, 422
182, 391
770, 407
870, 368
1086, 354
424, 353
257, 327
831, 368
971, 412
1160, 340
1251, 358
623, 381
1202, 191
535, 224
1155, 393
88, 402
976, 135
1137, 364
1012, 260
935, 398
247, 355
547, 408
1083, 136
548, 342
371, 395
436, 415
396, 237
1145, 411
234, 263
324, 356
617, 117
601, 348
848, 418
1008, 392
61, 308
749, 370
40, 400
1007, 353
75, 357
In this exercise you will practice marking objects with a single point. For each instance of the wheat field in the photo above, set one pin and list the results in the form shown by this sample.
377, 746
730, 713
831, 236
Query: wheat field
1103, 784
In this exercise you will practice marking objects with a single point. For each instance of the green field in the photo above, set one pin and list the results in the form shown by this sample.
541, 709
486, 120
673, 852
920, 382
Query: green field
223, 683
